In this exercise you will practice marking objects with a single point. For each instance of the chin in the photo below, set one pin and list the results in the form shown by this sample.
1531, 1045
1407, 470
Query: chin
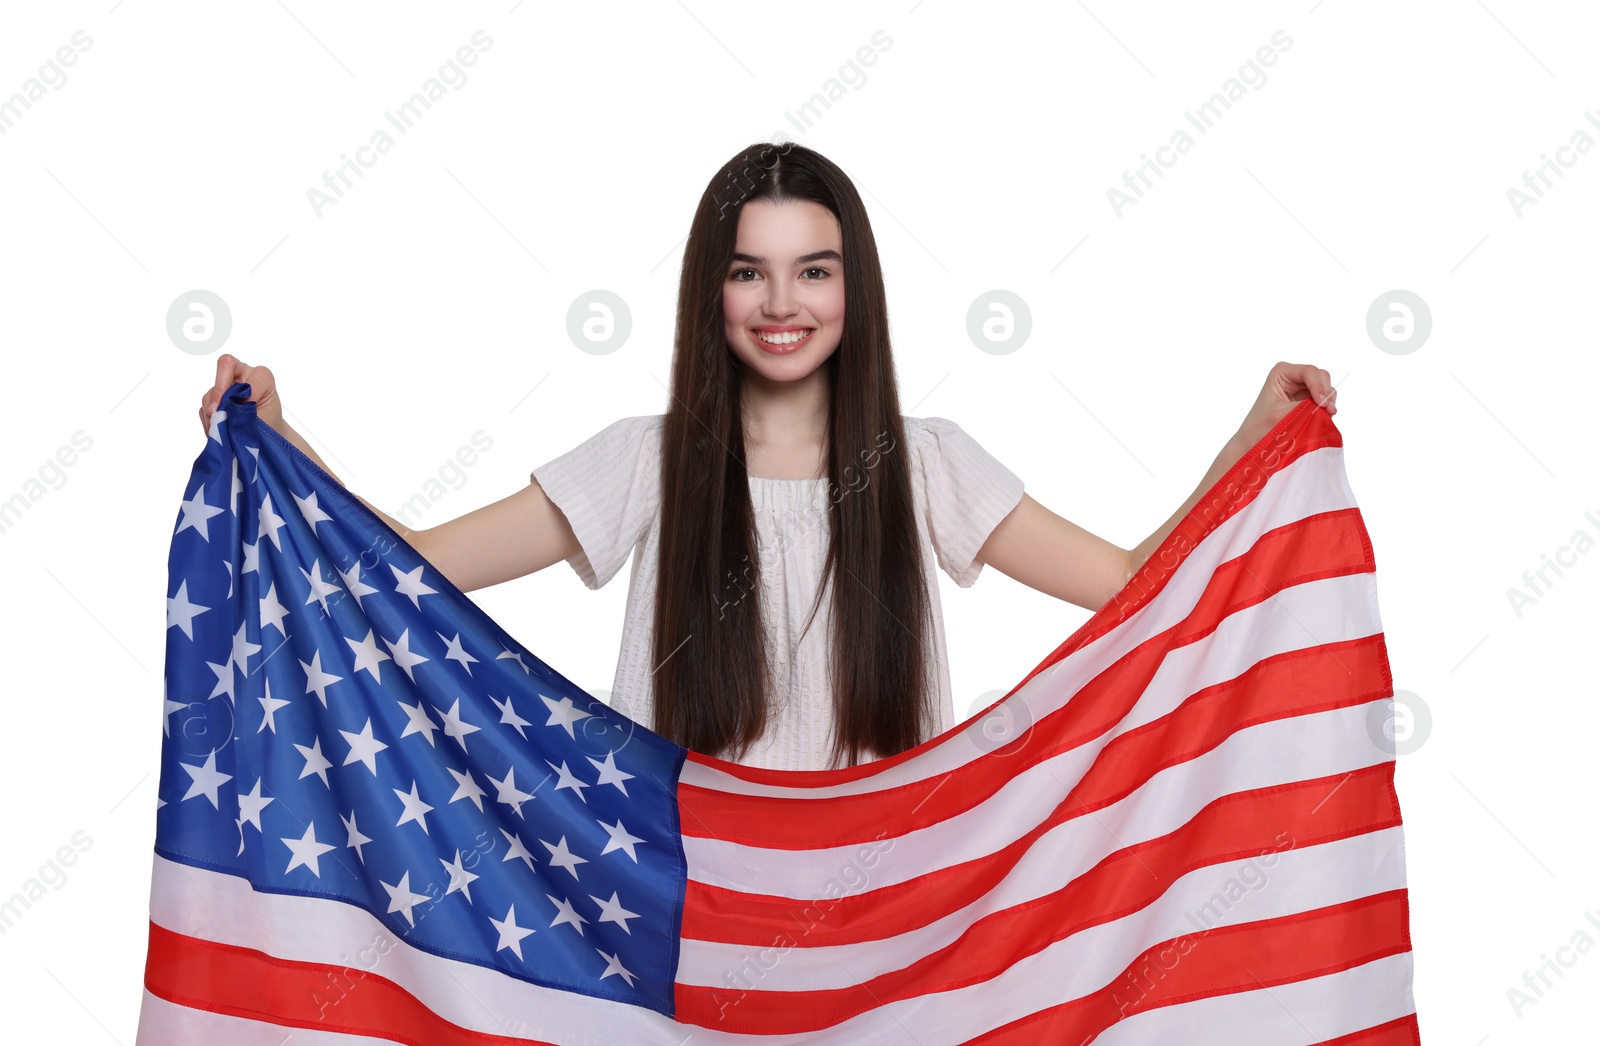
780, 370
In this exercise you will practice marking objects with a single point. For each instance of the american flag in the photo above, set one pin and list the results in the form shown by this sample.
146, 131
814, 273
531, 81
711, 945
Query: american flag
382, 818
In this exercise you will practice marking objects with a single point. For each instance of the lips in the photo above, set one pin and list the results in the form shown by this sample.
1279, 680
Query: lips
792, 338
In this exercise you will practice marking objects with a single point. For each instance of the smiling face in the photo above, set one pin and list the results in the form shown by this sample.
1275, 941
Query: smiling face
783, 296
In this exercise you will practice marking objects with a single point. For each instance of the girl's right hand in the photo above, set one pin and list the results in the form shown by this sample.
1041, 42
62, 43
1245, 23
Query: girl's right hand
263, 391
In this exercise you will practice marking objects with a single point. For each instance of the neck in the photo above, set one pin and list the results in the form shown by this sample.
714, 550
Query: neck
784, 413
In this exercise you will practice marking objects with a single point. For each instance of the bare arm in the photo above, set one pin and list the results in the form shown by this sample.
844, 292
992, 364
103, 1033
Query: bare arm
1231, 452
517, 535
1044, 551
1056, 556
290, 433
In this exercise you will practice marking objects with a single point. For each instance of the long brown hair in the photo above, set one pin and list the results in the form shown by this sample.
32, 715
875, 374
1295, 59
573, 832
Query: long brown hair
712, 673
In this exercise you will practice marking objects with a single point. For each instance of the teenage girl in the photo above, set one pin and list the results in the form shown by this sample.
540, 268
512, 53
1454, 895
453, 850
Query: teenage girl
783, 481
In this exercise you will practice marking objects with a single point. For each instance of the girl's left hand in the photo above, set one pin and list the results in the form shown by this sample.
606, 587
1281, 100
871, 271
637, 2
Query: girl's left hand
1286, 385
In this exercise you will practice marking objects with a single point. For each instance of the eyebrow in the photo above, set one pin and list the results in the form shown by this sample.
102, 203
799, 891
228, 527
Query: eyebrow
804, 259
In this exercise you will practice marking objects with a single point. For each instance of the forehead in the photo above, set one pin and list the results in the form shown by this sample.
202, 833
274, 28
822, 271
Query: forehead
795, 227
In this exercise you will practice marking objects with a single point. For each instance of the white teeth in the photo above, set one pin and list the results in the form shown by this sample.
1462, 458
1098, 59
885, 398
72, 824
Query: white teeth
787, 338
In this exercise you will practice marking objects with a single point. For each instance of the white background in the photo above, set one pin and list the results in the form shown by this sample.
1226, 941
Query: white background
428, 301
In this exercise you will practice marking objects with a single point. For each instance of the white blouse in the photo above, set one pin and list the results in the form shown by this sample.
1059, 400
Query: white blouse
608, 487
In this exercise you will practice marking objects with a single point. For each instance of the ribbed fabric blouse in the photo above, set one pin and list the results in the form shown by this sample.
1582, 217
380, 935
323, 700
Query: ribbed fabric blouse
608, 487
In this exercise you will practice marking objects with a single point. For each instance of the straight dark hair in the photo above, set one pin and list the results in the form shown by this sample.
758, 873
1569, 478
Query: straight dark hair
712, 670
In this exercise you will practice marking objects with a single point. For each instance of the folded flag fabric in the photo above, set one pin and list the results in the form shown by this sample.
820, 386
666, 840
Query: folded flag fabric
382, 818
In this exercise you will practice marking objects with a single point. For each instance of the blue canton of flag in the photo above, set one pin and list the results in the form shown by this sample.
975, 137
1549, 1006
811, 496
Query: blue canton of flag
343, 723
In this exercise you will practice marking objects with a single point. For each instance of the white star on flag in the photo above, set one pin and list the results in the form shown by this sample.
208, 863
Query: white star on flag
402, 900
310, 510
206, 779
466, 787
195, 514
305, 851
271, 523
318, 681
181, 612
564, 713
409, 583
511, 934
508, 716
364, 748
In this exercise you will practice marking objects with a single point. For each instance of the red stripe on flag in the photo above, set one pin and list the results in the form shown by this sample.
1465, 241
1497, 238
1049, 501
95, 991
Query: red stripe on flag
1322, 546
245, 982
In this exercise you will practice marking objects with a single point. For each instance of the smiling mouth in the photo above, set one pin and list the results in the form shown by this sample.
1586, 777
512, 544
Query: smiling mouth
784, 339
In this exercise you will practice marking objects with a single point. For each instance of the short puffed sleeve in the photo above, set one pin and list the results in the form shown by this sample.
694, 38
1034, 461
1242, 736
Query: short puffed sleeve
608, 487
968, 493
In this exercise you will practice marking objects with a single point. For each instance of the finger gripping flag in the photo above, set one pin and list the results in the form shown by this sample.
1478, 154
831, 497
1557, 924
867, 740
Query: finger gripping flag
382, 818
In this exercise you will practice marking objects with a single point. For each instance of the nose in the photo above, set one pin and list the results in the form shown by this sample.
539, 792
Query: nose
781, 303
